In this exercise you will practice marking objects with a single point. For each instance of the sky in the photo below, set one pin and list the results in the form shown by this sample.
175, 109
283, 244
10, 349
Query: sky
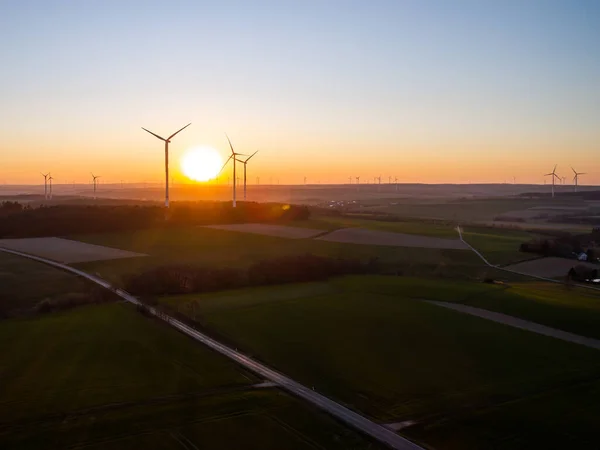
426, 91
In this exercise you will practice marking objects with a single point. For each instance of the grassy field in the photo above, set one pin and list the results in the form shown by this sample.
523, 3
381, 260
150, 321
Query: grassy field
408, 227
212, 247
107, 377
466, 210
396, 358
19, 293
498, 245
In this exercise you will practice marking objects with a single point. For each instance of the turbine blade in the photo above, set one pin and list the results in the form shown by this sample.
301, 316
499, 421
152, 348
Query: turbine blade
248, 158
230, 156
169, 138
154, 134
581, 173
573, 170
230, 146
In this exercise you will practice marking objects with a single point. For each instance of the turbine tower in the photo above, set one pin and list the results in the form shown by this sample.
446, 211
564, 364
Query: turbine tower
244, 162
167, 141
50, 178
94, 178
46, 185
576, 177
554, 176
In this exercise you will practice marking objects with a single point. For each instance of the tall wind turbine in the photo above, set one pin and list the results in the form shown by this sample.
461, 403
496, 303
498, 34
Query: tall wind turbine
50, 178
46, 185
233, 157
94, 178
576, 177
167, 140
554, 176
244, 162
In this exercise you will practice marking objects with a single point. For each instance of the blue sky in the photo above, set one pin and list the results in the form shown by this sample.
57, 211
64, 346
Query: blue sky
498, 88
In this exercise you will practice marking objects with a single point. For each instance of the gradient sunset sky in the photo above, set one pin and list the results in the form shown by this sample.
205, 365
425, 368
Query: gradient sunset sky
428, 91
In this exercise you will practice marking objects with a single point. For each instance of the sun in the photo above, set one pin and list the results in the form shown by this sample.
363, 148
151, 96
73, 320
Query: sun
201, 164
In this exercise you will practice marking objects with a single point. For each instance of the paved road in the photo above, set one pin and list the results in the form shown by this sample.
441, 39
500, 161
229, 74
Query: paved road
520, 323
376, 431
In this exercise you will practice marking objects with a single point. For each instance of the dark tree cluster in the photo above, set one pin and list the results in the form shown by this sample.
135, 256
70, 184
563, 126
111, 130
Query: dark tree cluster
60, 220
172, 280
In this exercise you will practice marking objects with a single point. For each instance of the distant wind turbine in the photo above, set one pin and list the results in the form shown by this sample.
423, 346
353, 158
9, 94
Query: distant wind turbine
554, 176
167, 141
94, 178
576, 177
50, 178
396, 181
244, 162
46, 185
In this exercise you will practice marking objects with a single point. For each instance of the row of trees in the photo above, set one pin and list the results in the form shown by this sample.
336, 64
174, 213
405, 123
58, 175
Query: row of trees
60, 220
172, 280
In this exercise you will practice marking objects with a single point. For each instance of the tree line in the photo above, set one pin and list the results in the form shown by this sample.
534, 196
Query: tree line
17, 220
187, 279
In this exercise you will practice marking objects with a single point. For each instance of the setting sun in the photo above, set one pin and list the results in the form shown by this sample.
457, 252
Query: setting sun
201, 164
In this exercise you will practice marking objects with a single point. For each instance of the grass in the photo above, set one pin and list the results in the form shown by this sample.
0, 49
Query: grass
212, 247
569, 309
107, 377
18, 293
396, 358
409, 227
498, 245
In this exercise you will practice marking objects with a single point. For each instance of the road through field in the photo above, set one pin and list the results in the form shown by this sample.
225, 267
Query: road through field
351, 418
487, 263
520, 323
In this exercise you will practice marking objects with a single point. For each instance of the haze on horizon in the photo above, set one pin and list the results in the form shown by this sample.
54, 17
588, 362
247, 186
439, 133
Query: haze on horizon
427, 91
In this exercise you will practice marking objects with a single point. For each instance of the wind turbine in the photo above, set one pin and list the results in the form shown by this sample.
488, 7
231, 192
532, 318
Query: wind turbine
554, 176
244, 162
576, 177
50, 178
234, 157
46, 184
396, 181
167, 140
94, 178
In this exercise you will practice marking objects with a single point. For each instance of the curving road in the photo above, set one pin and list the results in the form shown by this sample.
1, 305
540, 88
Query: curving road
376, 431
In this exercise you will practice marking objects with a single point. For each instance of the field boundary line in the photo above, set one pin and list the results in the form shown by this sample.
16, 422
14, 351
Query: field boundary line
520, 323
487, 263
346, 415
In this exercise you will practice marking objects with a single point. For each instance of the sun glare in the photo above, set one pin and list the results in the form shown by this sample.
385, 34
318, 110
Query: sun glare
201, 164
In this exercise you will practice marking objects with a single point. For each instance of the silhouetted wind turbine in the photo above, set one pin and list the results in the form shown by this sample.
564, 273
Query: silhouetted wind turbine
167, 140
576, 177
50, 178
244, 162
94, 178
235, 179
46, 184
554, 176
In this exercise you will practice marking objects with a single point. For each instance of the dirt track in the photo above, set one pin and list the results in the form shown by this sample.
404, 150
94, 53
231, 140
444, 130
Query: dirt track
65, 250
372, 237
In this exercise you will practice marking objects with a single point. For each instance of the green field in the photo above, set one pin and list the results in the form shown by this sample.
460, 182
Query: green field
211, 247
366, 343
409, 227
107, 377
468, 210
498, 245
19, 294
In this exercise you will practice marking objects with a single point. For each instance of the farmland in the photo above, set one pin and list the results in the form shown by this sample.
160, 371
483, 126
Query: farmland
107, 377
398, 358
205, 246
19, 294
